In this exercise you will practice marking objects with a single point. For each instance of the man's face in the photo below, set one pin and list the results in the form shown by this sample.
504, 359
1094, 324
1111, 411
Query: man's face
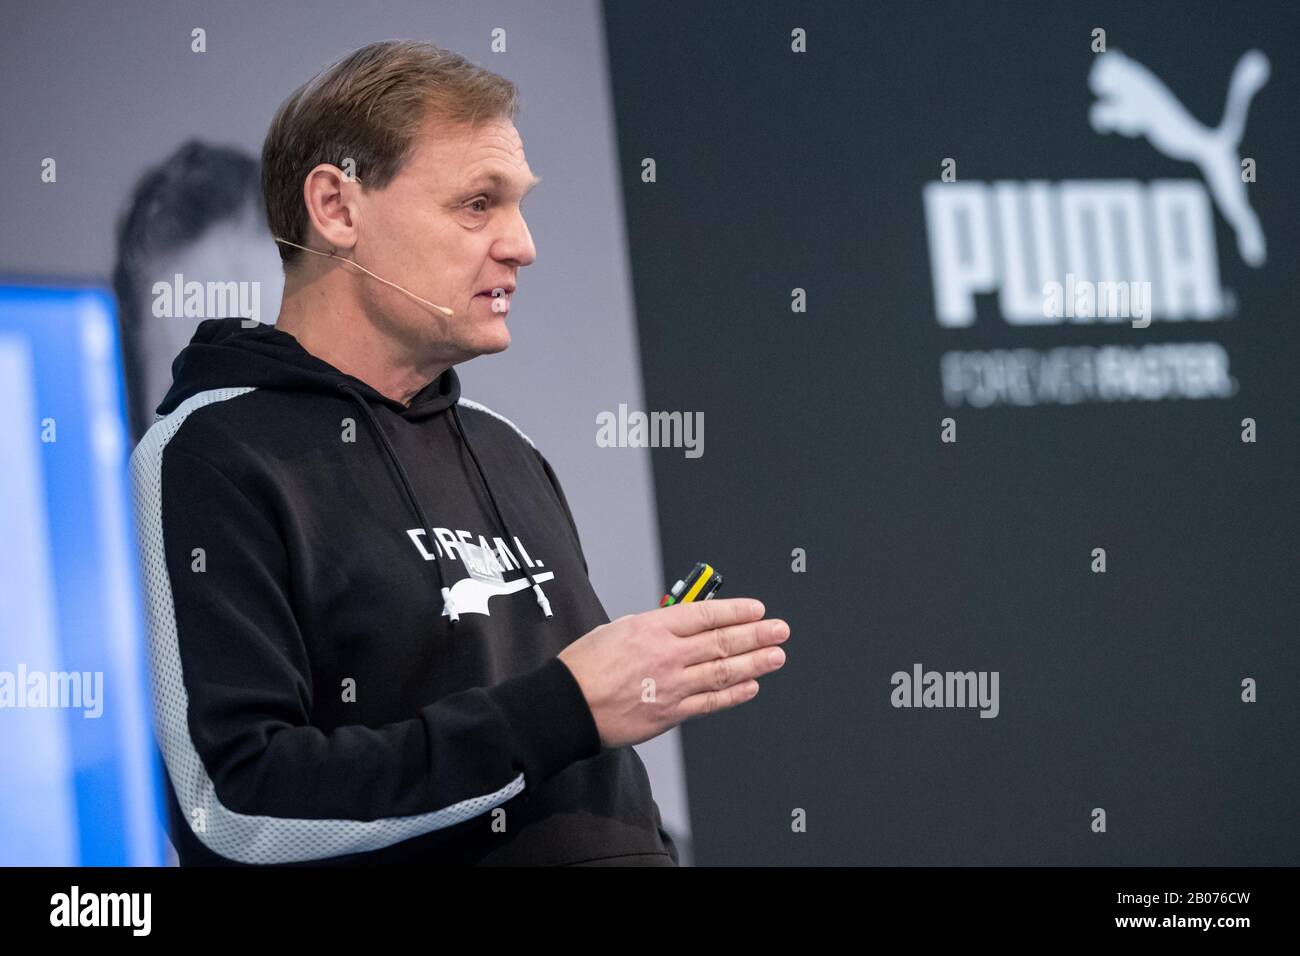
450, 229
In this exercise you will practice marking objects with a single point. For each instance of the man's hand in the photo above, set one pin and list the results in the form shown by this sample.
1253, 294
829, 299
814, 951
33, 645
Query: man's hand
645, 673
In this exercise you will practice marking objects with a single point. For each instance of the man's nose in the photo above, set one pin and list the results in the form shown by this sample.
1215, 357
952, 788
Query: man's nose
516, 243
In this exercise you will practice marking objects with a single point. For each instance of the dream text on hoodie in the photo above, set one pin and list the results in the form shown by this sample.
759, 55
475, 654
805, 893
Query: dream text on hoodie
354, 608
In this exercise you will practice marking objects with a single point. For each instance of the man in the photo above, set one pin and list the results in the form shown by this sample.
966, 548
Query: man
372, 630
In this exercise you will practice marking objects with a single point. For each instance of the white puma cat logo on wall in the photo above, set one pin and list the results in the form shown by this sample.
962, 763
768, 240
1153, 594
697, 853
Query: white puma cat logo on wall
1132, 101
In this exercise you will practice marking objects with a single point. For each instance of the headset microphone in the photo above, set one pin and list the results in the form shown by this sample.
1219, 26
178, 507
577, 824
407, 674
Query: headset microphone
441, 308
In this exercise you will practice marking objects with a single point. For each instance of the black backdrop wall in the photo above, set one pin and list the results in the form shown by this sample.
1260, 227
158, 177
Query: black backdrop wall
1121, 690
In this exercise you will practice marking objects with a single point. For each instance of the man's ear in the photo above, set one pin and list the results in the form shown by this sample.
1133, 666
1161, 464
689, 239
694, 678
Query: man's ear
333, 206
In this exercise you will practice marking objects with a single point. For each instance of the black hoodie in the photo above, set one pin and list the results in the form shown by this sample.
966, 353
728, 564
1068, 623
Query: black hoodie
305, 544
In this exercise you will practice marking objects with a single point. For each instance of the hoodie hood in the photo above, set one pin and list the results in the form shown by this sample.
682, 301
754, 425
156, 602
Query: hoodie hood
223, 353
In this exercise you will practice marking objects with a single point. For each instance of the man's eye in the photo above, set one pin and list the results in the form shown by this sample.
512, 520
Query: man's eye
476, 202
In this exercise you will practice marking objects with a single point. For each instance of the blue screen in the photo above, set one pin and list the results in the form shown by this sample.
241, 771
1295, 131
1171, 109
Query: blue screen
80, 783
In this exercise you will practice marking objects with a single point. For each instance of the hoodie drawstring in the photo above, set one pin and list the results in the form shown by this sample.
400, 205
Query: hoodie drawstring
447, 600
544, 604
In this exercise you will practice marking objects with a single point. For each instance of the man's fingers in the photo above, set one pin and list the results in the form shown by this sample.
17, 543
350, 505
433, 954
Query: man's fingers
715, 700
723, 672
692, 617
728, 646
735, 639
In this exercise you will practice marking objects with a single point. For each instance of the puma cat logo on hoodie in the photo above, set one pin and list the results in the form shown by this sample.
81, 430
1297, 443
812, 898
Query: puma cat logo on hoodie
326, 693
486, 563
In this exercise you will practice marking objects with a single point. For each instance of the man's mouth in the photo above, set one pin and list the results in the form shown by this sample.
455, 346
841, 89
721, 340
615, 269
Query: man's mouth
500, 296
